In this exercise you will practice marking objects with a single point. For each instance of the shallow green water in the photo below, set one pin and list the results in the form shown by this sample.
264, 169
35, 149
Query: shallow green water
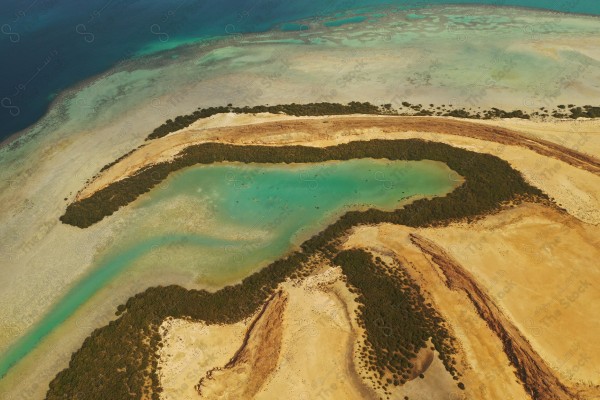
292, 26
253, 214
345, 21
270, 207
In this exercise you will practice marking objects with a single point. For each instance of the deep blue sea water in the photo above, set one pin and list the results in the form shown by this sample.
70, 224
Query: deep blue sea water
47, 46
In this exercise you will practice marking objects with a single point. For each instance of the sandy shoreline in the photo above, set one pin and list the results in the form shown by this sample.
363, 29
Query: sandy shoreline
310, 131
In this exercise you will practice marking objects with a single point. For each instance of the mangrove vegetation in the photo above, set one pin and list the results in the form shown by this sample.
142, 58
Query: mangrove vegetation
488, 178
397, 320
120, 361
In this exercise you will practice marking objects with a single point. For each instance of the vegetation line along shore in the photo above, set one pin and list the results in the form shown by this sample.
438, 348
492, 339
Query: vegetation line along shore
355, 107
120, 360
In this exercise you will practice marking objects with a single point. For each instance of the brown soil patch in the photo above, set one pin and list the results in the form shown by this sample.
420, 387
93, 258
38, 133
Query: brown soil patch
539, 380
246, 372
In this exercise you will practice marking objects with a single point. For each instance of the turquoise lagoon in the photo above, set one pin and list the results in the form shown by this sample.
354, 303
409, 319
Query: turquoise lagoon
236, 219
266, 209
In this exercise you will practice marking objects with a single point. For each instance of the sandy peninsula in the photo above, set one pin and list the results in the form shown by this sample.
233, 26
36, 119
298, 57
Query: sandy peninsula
539, 160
